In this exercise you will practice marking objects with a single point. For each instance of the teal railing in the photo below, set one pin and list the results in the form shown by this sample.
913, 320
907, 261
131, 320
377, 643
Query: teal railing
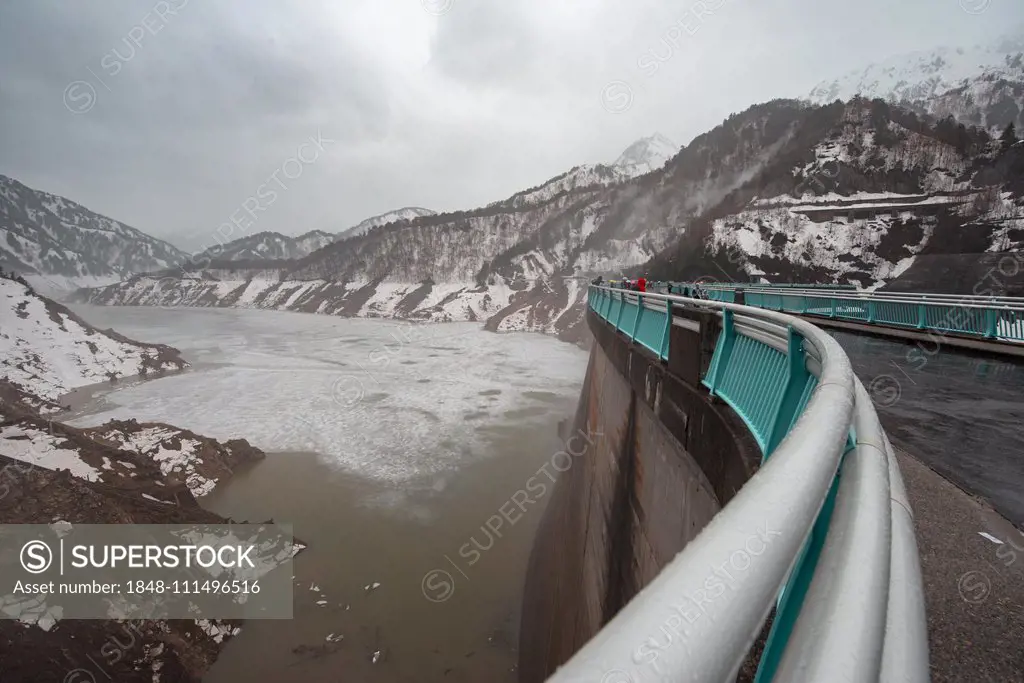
989, 318
766, 386
647, 326
761, 374
770, 368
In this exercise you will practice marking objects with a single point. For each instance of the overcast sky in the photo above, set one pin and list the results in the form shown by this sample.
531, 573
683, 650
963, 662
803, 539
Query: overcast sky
173, 115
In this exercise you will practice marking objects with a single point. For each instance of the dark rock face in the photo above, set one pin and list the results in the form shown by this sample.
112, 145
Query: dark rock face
180, 650
131, 489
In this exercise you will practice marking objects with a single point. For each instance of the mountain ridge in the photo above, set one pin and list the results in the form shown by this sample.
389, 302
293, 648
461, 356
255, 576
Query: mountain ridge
56, 242
266, 245
982, 84
742, 187
368, 224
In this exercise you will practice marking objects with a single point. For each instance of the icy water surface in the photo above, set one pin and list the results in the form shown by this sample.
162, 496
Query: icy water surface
387, 400
386, 468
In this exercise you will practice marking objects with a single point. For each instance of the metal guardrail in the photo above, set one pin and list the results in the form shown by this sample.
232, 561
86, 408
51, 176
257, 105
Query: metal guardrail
980, 317
822, 532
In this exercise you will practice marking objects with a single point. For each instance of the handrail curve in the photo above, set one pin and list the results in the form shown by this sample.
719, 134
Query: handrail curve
711, 609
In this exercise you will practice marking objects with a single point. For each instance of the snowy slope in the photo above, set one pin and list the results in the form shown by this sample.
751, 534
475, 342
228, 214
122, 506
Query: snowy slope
646, 155
922, 75
46, 350
62, 242
442, 302
407, 214
980, 85
37, 446
576, 178
182, 456
840, 248
960, 204
643, 156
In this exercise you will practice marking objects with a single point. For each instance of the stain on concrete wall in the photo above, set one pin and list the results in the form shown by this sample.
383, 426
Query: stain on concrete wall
661, 460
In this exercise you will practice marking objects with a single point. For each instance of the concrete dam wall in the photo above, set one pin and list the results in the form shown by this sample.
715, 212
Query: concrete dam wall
657, 459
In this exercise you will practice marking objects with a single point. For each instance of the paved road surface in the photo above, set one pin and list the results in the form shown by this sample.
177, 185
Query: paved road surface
961, 414
974, 586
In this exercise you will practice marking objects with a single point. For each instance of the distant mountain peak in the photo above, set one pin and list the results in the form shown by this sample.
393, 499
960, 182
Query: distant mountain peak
266, 246
979, 85
643, 156
405, 213
647, 154
924, 74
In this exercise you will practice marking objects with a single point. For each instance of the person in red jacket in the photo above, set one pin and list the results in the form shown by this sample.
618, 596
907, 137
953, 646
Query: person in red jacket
641, 284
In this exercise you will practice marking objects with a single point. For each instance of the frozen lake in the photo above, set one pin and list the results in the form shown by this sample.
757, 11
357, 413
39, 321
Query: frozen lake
388, 450
389, 400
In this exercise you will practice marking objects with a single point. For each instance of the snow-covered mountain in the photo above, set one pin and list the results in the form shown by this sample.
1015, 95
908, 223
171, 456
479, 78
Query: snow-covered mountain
978, 85
646, 155
267, 246
46, 350
60, 245
991, 101
862, 191
273, 246
520, 265
643, 156
869, 194
407, 214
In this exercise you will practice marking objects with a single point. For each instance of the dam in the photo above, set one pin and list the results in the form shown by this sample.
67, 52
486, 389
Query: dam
742, 517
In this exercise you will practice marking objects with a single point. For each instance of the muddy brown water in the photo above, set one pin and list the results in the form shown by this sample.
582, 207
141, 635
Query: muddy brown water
448, 596
438, 614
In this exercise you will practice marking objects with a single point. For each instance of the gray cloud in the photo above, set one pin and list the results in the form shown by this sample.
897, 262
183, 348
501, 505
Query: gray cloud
193, 110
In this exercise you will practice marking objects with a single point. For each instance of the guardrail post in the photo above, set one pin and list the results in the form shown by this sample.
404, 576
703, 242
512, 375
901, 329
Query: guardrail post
636, 320
920, 316
663, 347
832, 300
723, 350
789, 403
871, 311
622, 305
991, 321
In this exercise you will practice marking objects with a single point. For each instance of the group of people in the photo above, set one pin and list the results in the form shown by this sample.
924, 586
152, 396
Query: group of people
694, 291
637, 285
